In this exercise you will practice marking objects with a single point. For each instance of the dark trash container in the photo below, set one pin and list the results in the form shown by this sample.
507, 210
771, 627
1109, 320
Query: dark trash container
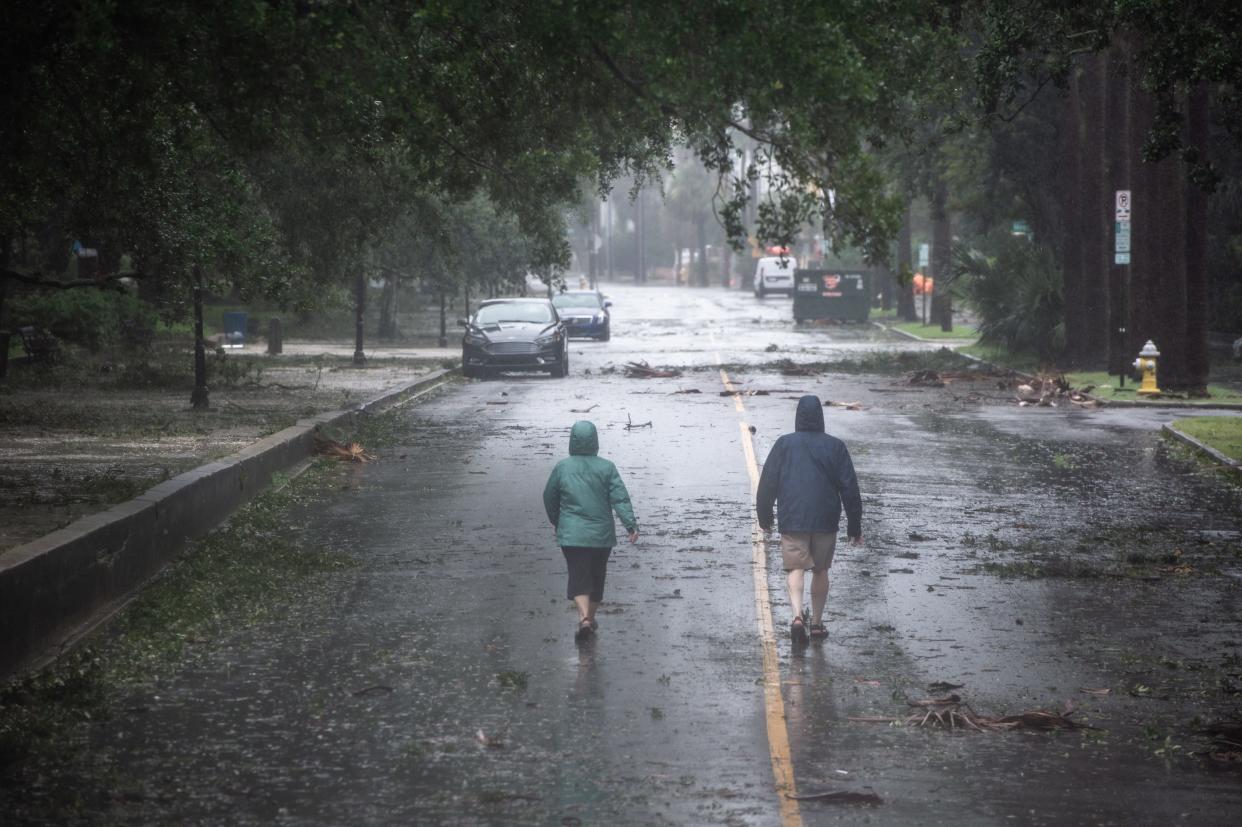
235, 328
839, 295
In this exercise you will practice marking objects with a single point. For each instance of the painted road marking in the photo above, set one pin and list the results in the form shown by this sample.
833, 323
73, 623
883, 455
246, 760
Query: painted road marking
778, 733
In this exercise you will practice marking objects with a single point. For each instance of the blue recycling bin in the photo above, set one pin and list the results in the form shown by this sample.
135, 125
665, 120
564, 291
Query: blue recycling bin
234, 329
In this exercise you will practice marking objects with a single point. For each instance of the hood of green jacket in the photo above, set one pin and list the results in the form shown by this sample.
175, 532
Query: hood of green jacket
583, 439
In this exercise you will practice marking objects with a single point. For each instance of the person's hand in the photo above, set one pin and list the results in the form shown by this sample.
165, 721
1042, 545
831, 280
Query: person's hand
634, 536
856, 541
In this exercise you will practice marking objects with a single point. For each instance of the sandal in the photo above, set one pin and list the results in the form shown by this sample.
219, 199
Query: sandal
818, 632
585, 632
797, 631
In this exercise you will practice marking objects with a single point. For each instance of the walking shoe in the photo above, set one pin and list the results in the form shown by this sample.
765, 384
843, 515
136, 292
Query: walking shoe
818, 632
797, 632
585, 632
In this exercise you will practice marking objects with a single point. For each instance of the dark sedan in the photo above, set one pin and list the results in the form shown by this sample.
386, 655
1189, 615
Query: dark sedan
514, 334
585, 313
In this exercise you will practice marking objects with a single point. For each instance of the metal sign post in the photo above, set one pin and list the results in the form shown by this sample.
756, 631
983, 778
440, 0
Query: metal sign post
1121, 256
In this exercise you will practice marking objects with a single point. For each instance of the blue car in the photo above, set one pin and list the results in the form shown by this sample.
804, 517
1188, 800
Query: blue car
585, 314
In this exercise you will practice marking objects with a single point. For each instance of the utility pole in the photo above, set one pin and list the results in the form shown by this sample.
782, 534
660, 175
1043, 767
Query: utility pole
593, 246
640, 253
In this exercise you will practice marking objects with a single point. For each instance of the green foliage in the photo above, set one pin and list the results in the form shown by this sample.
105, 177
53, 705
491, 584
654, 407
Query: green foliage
94, 319
1018, 297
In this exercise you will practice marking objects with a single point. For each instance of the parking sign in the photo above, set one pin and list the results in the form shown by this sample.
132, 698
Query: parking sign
1123, 205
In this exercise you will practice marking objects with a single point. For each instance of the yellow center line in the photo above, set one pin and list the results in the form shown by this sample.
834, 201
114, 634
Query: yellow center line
774, 703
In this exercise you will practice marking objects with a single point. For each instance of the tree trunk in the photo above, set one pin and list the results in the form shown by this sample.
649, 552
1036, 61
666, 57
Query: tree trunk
888, 286
5, 333
360, 308
1069, 189
466, 291
1143, 305
1168, 279
388, 310
1096, 213
726, 267
942, 257
905, 294
199, 399
1197, 362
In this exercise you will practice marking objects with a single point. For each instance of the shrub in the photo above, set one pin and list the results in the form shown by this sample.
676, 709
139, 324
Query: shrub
94, 319
1018, 295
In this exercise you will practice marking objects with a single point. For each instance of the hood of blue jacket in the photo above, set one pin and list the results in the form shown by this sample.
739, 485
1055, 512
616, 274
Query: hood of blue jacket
584, 440
810, 416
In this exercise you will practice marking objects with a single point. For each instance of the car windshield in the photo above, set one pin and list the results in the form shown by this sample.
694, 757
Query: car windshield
576, 300
536, 312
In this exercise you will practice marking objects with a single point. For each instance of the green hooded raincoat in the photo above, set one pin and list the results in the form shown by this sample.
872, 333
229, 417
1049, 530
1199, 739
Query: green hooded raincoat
582, 493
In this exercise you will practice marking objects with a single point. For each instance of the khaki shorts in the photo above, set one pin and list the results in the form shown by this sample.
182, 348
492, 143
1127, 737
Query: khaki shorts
807, 550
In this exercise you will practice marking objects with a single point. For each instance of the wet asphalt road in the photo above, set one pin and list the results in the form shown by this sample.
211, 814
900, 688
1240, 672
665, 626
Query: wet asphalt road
366, 706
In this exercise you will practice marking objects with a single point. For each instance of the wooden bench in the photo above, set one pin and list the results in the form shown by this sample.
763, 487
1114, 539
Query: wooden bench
40, 346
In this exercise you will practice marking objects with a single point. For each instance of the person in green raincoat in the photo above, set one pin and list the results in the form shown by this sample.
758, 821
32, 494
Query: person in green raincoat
582, 492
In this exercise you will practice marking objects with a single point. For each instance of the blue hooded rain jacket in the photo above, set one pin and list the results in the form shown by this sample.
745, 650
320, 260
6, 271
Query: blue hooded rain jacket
811, 475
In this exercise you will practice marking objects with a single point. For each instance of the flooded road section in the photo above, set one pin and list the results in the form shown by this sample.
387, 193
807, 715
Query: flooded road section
1019, 558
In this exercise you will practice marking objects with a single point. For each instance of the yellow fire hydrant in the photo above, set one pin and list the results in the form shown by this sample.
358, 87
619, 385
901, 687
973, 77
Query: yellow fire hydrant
1145, 364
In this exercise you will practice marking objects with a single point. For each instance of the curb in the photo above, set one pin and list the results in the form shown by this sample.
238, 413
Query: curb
1202, 447
917, 338
56, 588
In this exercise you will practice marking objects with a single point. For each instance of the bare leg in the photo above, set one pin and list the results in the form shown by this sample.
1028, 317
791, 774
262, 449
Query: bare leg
795, 591
819, 596
583, 602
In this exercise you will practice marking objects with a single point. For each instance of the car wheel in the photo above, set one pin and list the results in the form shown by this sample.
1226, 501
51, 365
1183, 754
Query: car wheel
759, 291
607, 334
564, 369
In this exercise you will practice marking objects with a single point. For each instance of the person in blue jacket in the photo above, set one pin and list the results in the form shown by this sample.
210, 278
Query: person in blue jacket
810, 475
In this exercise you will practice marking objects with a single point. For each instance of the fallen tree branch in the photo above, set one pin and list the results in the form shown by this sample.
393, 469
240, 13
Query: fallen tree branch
630, 425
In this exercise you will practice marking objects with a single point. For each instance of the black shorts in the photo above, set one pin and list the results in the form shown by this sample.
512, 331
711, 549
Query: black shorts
587, 569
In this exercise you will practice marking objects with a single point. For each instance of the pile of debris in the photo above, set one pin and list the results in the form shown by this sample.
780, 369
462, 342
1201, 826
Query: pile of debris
642, 370
952, 713
1050, 391
788, 367
353, 452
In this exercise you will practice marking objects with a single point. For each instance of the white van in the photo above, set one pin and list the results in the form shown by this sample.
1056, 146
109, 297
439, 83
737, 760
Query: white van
771, 276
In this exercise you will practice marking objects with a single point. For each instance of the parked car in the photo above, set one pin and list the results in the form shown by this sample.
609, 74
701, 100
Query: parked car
514, 334
585, 313
774, 274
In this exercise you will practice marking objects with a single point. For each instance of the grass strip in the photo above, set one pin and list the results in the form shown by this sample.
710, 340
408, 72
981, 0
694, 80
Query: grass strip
933, 331
1224, 433
1106, 387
